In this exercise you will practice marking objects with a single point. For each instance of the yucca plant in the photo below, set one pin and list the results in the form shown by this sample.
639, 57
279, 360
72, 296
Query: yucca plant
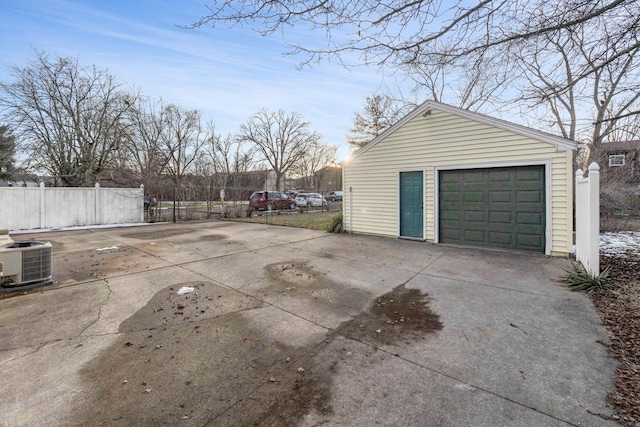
336, 225
578, 279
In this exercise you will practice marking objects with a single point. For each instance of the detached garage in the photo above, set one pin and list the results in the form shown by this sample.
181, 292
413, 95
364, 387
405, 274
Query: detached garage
447, 175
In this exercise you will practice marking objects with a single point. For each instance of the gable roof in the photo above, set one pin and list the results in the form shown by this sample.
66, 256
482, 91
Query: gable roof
633, 145
562, 144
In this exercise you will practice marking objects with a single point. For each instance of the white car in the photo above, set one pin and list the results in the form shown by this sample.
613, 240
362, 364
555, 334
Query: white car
307, 200
334, 195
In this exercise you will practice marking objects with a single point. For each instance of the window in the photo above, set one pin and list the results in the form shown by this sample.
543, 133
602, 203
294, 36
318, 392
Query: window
616, 160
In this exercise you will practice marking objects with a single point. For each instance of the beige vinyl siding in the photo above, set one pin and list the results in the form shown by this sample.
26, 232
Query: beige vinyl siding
445, 140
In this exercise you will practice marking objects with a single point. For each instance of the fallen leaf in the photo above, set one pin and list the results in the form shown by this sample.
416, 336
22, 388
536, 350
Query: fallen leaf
272, 379
301, 369
147, 391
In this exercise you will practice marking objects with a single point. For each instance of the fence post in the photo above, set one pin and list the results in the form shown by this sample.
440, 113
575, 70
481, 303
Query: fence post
588, 219
594, 218
42, 207
97, 204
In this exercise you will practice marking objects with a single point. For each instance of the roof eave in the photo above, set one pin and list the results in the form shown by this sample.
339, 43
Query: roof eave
562, 144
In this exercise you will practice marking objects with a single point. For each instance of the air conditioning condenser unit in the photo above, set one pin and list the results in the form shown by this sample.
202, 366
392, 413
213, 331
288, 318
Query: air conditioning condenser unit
25, 263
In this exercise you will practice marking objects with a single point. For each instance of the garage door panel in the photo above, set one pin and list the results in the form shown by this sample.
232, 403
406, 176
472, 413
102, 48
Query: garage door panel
530, 241
498, 207
471, 177
450, 216
530, 174
473, 196
500, 196
530, 218
501, 217
529, 196
453, 235
500, 239
451, 196
475, 216
499, 175
474, 236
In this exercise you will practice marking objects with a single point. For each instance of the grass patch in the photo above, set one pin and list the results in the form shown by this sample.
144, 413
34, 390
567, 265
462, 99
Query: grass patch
314, 221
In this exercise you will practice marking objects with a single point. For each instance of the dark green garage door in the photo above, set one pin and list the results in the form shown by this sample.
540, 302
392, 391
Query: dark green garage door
496, 207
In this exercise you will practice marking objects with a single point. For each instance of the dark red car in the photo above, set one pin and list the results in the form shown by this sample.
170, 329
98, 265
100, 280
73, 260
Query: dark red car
270, 200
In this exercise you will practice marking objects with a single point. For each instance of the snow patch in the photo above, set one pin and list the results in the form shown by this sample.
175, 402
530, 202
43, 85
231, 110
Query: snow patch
110, 248
185, 290
624, 244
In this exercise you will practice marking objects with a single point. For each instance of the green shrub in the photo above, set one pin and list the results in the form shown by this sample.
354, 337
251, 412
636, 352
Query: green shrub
336, 225
578, 279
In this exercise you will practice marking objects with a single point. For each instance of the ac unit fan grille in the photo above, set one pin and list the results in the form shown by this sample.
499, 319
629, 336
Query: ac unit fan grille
36, 264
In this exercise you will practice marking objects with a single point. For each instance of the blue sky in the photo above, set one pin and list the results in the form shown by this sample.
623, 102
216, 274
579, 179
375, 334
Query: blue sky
228, 74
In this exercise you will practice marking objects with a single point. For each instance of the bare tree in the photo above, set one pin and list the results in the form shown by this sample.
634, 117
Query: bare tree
69, 118
553, 68
7, 152
310, 166
399, 32
229, 157
181, 140
281, 139
465, 48
380, 111
142, 154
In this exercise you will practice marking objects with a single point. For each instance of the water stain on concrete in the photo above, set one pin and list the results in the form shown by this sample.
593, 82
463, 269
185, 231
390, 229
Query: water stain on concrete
80, 266
202, 300
212, 237
194, 359
296, 279
400, 315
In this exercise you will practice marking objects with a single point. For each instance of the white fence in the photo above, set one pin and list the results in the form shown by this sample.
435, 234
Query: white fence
588, 219
54, 207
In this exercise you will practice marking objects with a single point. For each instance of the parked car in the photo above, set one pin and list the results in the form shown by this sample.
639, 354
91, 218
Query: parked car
308, 200
268, 200
334, 196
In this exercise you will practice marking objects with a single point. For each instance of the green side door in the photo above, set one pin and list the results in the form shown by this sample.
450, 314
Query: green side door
494, 207
411, 205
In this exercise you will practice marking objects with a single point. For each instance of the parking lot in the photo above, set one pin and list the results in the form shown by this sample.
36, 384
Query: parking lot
226, 323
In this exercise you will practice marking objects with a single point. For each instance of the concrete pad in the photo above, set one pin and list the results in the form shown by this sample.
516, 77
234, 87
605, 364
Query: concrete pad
540, 349
40, 387
318, 287
130, 293
69, 241
298, 327
513, 270
370, 250
46, 316
84, 265
375, 388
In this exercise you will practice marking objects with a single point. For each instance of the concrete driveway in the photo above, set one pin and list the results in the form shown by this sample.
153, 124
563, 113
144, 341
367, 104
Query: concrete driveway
297, 327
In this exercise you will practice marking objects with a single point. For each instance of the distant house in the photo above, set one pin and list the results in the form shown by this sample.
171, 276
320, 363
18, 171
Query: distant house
622, 157
446, 175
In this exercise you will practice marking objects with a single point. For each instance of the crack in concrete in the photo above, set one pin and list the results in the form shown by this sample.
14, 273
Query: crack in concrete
32, 352
99, 316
